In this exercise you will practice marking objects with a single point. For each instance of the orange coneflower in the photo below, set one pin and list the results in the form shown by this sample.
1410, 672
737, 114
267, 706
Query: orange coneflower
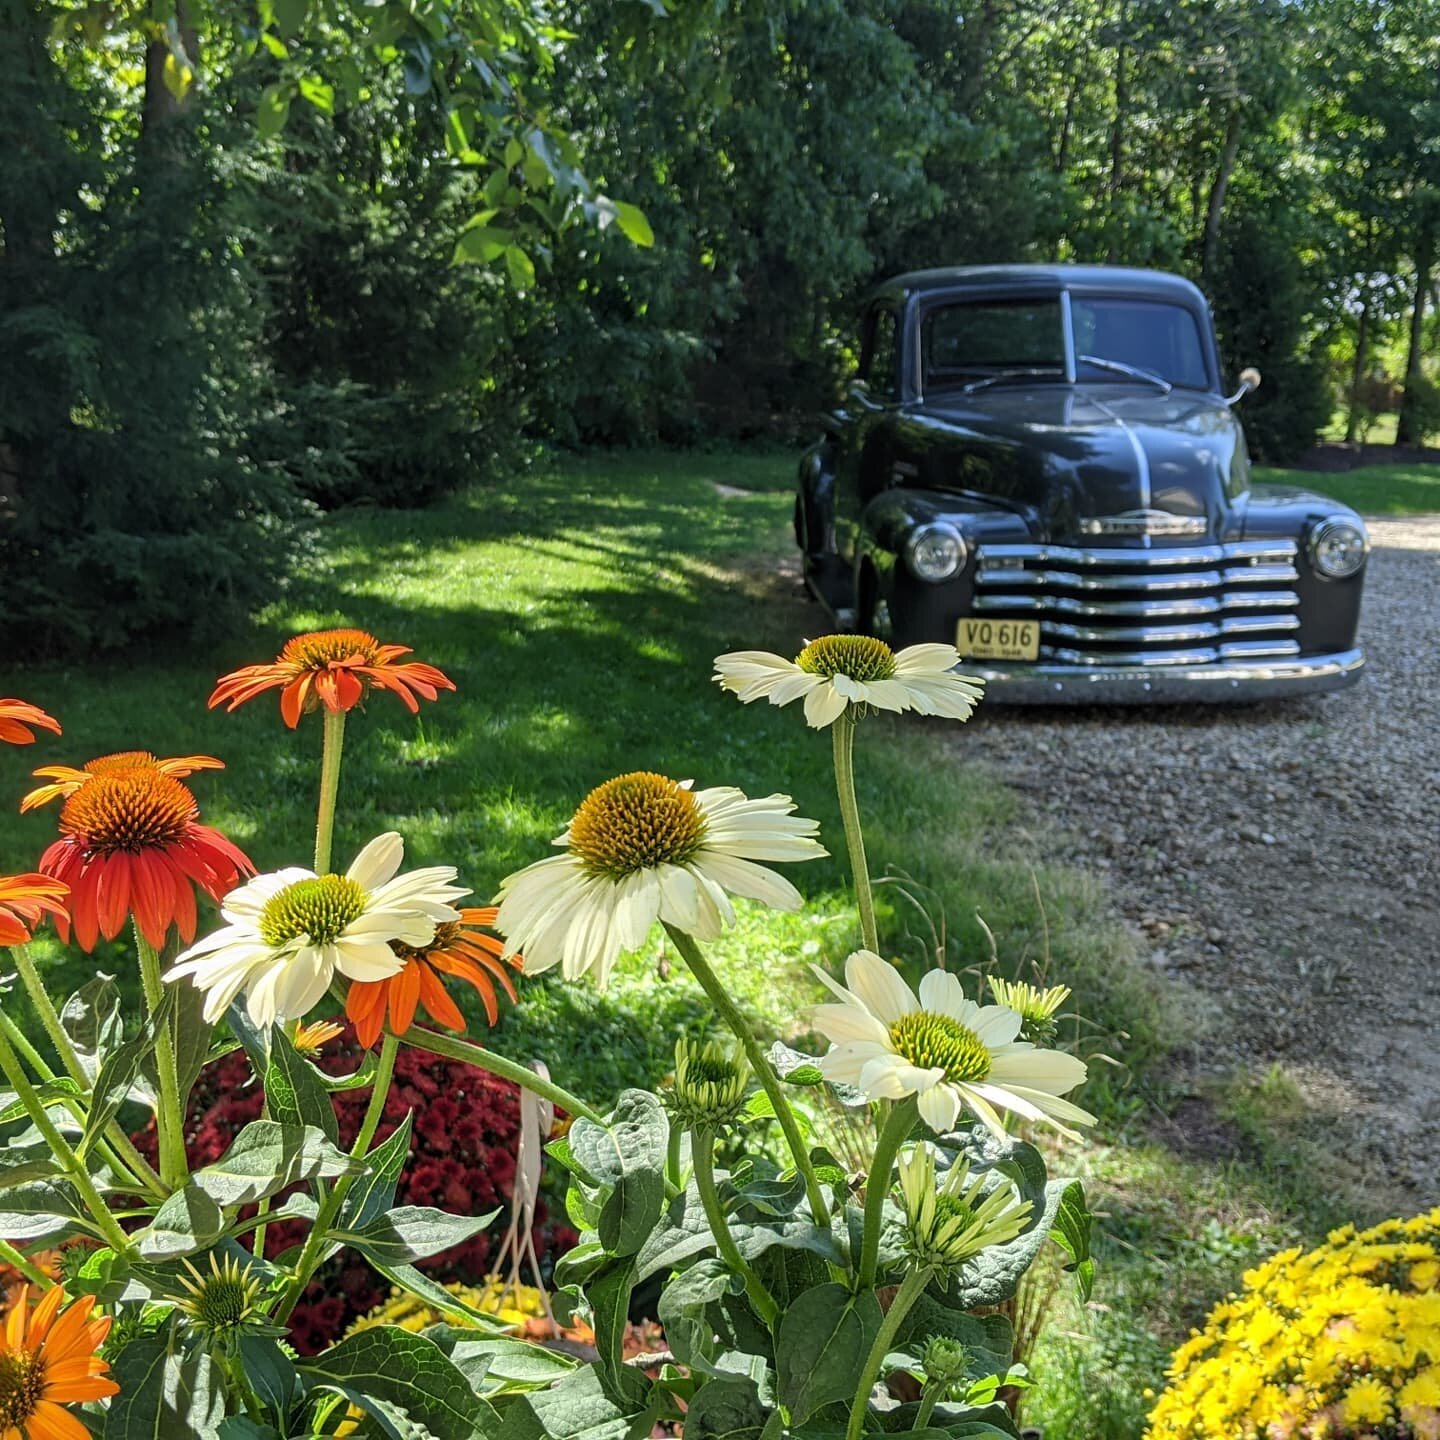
333, 668
19, 720
458, 949
48, 1360
66, 779
131, 844
23, 900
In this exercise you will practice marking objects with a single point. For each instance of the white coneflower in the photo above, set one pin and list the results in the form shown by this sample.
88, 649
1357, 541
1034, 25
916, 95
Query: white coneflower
291, 932
943, 1048
643, 848
837, 671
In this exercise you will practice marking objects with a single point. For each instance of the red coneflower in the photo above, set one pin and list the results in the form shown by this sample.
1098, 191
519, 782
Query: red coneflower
66, 779
19, 720
131, 844
23, 900
458, 949
48, 1360
333, 668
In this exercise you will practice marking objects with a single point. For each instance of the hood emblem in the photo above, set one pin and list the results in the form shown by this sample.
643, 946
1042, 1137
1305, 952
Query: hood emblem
1144, 522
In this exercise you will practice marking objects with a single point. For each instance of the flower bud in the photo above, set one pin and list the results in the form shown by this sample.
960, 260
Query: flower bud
1035, 1007
946, 1225
945, 1360
710, 1083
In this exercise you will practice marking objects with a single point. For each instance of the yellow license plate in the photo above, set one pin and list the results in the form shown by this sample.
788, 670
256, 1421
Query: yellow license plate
998, 639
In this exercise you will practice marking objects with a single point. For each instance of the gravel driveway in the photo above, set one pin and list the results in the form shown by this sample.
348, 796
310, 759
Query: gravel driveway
1281, 858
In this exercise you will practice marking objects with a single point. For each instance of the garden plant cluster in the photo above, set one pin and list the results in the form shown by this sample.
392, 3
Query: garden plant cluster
836, 1240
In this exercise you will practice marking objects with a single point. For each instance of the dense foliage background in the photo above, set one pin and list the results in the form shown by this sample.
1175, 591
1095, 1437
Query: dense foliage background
337, 254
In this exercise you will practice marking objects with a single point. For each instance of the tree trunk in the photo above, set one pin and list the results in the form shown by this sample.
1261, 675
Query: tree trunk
1357, 371
161, 104
1117, 135
1408, 431
1216, 207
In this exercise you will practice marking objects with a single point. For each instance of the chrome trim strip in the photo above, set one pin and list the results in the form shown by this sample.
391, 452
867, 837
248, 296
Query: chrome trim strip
1253, 574
1118, 683
1172, 634
994, 556
1164, 609
1067, 324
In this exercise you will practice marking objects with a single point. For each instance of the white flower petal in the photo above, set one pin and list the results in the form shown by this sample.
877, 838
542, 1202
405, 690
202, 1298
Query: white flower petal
1053, 1071
824, 706
879, 987
378, 861
939, 1108
842, 1023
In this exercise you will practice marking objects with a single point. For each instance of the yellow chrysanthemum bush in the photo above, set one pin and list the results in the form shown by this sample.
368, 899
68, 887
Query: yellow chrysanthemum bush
1338, 1342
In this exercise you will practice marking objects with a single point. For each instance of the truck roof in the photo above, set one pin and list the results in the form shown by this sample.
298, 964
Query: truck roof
1108, 278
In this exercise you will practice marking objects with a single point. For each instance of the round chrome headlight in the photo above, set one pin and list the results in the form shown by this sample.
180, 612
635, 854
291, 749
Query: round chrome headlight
935, 552
1338, 547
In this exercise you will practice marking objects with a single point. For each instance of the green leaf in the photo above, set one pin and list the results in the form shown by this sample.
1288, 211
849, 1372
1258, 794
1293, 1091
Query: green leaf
1071, 1232
166, 1390
575, 1409
994, 1275
272, 110
294, 1091
20, 1164
270, 1373
480, 244
290, 16
120, 1069
628, 1155
496, 1362
372, 1192
728, 1408
682, 1233
682, 1306
318, 93
39, 1210
268, 1156
91, 1017
192, 1035
409, 1373
189, 1220
821, 1346
51, 1093
988, 1339
520, 266
420, 1285
414, 1232
609, 1297
102, 1273
633, 224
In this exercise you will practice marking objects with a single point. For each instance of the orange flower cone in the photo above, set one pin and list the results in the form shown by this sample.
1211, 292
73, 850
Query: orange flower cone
19, 720
24, 899
458, 949
333, 668
48, 1360
65, 780
131, 845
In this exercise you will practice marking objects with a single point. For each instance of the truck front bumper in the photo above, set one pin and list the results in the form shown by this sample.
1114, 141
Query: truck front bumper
1018, 684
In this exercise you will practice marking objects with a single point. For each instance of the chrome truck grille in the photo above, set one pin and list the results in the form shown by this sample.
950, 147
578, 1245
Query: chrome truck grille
1189, 606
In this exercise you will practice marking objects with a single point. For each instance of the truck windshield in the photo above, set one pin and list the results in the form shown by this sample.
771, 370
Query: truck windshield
1144, 334
980, 339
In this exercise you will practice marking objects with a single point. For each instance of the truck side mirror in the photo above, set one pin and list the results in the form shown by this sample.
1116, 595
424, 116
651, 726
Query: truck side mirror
1249, 380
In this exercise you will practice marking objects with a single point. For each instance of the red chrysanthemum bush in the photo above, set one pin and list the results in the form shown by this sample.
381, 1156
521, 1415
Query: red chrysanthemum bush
465, 1125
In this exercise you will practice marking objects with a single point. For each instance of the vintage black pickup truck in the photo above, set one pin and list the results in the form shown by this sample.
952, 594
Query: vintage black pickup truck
1039, 464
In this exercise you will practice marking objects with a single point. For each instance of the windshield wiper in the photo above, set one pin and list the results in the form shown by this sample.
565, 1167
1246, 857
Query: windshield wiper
1017, 374
1133, 371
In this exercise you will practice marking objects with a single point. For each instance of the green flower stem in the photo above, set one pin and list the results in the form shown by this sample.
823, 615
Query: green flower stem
116, 1148
672, 1157
843, 736
702, 1154
313, 1253
18, 1260
900, 1306
49, 1018
898, 1124
69, 1161
170, 1119
764, 1071
334, 744
929, 1398
471, 1054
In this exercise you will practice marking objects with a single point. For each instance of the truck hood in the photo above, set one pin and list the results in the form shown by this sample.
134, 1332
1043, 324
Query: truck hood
1070, 457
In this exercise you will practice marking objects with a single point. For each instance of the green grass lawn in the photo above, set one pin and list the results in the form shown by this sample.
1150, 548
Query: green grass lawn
1372, 489
578, 608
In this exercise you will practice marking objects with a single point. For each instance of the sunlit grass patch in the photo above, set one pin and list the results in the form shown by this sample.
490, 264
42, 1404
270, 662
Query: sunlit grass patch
1372, 489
